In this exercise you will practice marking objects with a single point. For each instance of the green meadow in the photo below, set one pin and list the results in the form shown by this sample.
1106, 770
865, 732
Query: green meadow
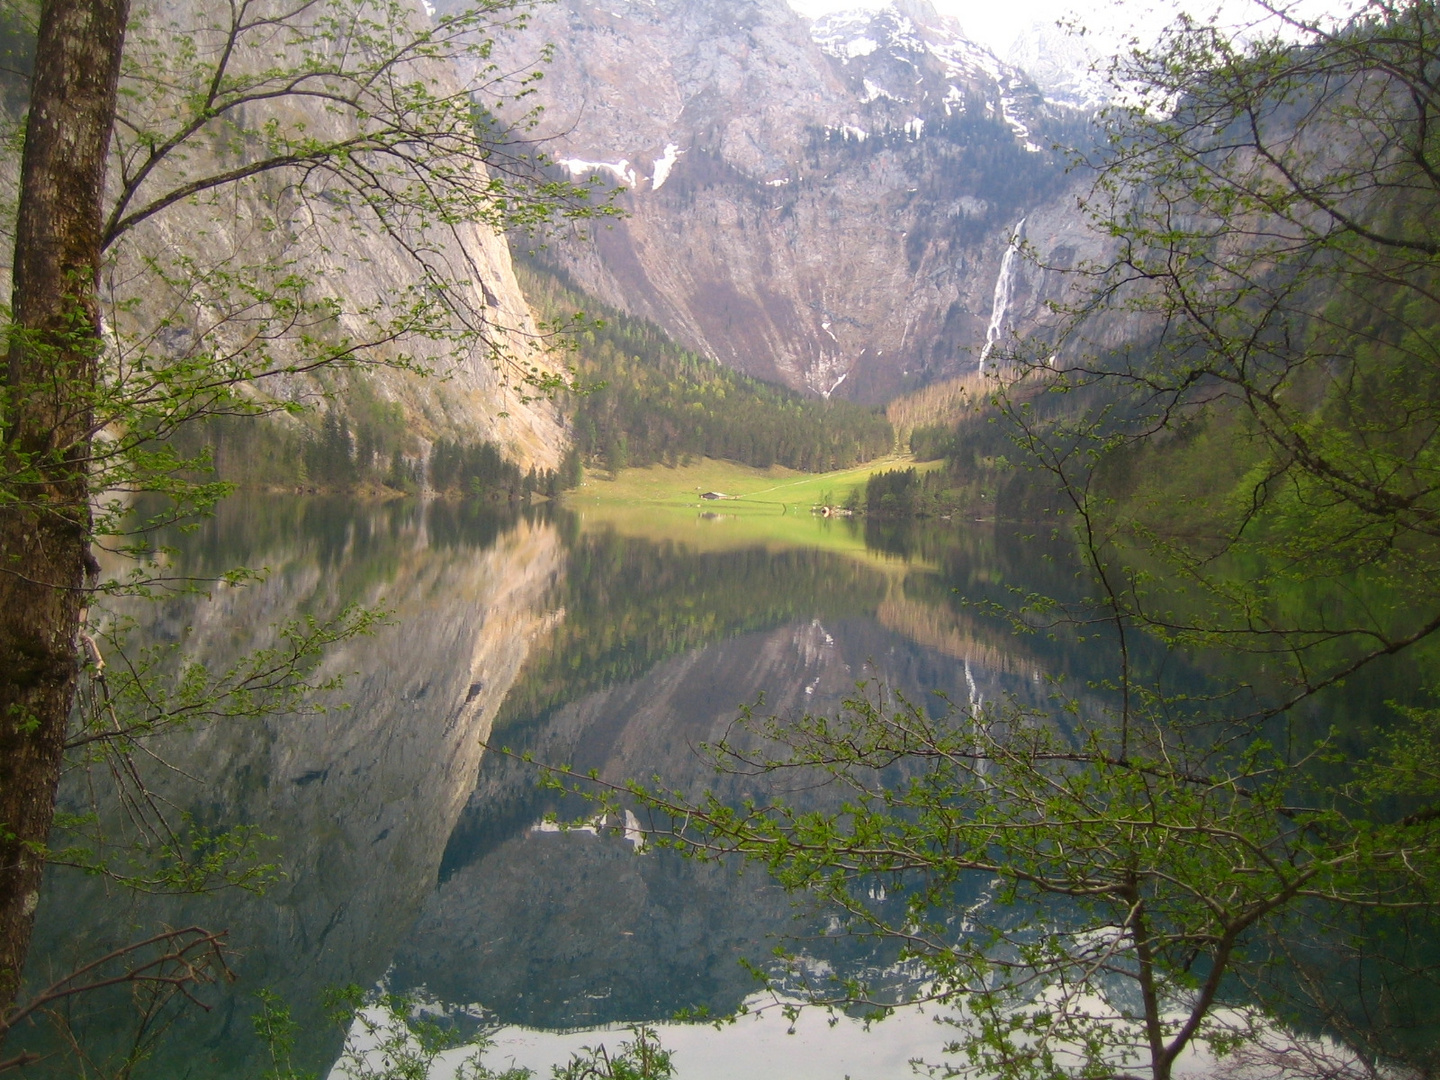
760, 507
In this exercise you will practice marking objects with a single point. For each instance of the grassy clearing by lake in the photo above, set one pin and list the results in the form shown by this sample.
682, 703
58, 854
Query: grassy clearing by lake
760, 507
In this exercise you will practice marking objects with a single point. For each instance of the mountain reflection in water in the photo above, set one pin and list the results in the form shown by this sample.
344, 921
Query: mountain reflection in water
409, 852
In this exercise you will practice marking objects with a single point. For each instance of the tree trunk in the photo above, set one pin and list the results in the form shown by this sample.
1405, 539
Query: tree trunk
48, 408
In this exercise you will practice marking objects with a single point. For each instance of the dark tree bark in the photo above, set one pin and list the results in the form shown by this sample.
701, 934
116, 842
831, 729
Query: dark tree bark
48, 407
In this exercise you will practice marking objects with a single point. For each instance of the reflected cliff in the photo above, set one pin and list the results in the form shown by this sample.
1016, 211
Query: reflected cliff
411, 855
361, 799
558, 930
660, 649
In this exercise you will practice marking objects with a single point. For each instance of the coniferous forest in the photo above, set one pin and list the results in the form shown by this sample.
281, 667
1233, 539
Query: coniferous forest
642, 400
655, 402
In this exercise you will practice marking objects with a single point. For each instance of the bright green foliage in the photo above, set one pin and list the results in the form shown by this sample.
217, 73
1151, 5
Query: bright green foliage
1086, 902
1256, 475
387, 1037
254, 128
1258, 471
1275, 422
641, 1058
256, 147
214, 140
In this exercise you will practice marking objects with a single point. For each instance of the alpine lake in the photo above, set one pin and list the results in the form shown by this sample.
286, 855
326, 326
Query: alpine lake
412, 847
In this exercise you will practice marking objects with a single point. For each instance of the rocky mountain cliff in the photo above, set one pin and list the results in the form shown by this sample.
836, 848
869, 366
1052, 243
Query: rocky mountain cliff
827, 205
275, 265
1069, 68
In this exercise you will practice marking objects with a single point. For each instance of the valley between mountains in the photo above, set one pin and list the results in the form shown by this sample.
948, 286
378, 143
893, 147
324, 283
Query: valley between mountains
652, 539
829, 205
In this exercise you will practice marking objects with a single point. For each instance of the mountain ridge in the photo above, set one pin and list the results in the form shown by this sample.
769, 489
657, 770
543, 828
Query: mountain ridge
804, 207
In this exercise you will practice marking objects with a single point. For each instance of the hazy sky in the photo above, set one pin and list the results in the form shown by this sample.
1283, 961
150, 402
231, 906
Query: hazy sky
995, 23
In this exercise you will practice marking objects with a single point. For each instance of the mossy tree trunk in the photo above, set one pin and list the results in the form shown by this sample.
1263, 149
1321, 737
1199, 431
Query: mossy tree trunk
50, 387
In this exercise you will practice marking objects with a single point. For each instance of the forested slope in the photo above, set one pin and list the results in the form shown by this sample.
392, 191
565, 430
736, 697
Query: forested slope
657, 402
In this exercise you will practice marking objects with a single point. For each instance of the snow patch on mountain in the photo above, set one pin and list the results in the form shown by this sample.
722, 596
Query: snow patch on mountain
874, 91
881, 45
1067, 68
847, 35
621, 169
664, 164
1019, 127
843, 35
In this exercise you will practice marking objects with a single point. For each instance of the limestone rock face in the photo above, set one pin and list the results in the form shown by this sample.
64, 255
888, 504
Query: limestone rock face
468, 389
271, 269
1069, 68
826, 205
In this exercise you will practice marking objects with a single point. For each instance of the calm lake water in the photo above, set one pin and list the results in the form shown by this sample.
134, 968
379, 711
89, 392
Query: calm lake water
410, 856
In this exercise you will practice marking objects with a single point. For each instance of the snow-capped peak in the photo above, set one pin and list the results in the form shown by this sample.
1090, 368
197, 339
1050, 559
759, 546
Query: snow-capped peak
847, 35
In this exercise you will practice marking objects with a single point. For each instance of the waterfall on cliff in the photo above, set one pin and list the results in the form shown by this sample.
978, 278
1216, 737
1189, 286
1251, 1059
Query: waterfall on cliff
1003, 285
977, 706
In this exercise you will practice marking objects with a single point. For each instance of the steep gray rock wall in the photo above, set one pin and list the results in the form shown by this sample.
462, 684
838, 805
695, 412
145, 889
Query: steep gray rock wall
195, 282
824, 206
